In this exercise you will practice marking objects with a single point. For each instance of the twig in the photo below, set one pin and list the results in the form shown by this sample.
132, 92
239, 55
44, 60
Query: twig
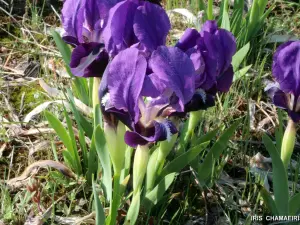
13, 116
11, 69
11, 161
8, 58
205, 205
202, 193
22, 103
2, 148
19, 181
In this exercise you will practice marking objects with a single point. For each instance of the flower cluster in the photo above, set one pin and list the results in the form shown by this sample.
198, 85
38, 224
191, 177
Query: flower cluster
285, 92
145, 84
211, 52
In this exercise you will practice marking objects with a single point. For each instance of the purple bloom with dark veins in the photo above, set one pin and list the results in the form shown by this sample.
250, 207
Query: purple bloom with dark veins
285, 93
89, 60
83, 22
135, 22
211, 51
142, 91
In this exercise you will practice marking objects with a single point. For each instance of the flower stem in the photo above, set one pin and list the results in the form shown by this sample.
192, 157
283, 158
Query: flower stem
134, 209
288, 143
140, 163
96, 85
157, 160
192, 124
116, 200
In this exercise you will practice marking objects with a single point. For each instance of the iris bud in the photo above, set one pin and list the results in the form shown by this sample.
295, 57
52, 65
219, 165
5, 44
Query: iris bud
116, 145
192, 123
288, 143
140, 163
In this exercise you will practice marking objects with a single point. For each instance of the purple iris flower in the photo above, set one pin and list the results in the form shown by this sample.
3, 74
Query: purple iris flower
285, 93
83, 22
143, 91
135, 22
211, 51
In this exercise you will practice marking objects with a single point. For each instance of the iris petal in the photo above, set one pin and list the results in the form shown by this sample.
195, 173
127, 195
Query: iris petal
151, 25
85, 19
176, 71
224, 81
210, 26
280, 99
188, 39
200, 102
158, 132
211, 51
286, 67
111, 115
89, 60
152, 86
73, 18
118, 33
125, 81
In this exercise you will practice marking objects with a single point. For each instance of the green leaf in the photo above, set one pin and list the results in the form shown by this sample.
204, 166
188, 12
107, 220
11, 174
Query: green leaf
103, 154
204, 170
127, 164
294, 206
60, 131
75, 155
91, 87
92, 161
182, 143
54, 150
123, 185
70, 129
199, 140
262, 6
265, 15
239, 56
157, 193
254, 13
204, 138
68, 158
279, 131
133, 210
183, 160
62, 47
81, 120
280, 181
100, 216
209, 10
98, 116
81, 89
83, 149
242, 72
256, 19
237, 17
152, 170
201, 6
80, 84
225, 21
268, 200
